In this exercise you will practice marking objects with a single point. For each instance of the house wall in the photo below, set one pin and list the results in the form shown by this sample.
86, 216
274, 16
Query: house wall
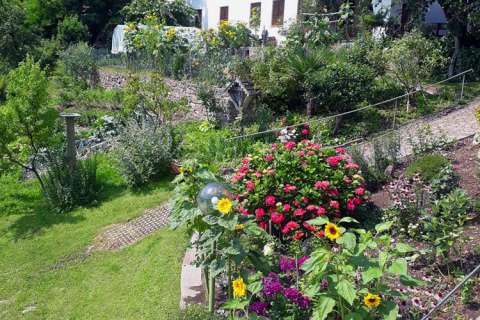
239, 11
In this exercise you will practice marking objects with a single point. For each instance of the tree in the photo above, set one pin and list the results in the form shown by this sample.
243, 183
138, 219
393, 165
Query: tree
27, 122
412, 59
175, 12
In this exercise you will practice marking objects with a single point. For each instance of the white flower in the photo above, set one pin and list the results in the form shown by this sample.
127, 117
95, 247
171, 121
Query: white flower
214, 200
268, 249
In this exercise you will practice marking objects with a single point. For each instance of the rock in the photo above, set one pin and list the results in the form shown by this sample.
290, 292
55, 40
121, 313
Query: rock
389, 170
29, 308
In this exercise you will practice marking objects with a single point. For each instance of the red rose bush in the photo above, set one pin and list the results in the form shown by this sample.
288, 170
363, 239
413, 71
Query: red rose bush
288, 184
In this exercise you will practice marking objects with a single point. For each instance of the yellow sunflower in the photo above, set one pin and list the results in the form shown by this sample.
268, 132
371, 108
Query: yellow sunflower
240, 226
239, 288
224, 205
372, 300
332, 231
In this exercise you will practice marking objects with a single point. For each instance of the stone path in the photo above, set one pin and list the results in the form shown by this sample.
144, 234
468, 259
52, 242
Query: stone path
118, 236
455, 125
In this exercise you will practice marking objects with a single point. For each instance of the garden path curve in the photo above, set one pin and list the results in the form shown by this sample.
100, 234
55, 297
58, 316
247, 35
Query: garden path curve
118, 236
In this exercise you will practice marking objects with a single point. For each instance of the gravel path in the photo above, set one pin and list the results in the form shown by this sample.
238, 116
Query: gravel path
118, 236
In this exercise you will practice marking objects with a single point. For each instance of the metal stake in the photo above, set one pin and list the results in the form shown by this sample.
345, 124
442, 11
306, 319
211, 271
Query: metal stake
463, 87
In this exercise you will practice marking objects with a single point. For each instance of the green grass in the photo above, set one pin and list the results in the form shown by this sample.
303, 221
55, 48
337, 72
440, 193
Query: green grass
138, 282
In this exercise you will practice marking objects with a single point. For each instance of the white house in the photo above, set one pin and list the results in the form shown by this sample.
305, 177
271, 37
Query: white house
274, 15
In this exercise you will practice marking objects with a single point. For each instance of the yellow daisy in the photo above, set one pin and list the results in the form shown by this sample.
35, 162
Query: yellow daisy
240, 226
372, 300
332, 231
224, 205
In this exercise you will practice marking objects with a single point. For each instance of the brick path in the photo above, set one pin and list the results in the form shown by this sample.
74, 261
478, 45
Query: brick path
118, 236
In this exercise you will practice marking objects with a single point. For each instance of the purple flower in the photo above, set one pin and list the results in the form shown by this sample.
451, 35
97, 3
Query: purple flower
259, 308
297, 298
272, 285
287, 264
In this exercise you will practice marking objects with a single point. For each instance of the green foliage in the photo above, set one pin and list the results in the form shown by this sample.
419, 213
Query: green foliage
16, 37
71, 30
176, 12
67, 188
467, 293
427, 166
349, 274
445, 181
198, 312
425, 141
78, 64
27, 122
145, 153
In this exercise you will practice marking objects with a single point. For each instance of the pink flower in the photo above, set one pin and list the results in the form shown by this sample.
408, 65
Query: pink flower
243, 211
350, 205
277, 218
322, 185
286, 207
305, 132
312, 207
243, 169
334, 204
351, 165
301, 153
334, 161
296, 203
289, 226
305, 200
271, 172
290, 145
310, 153
333, 193
321, 211
268, 158
289, 188
263, 225
250, 185
298, 235
357, 201
259, 213
258, 174
245, 160
274, 146
270, 201
341, 150
309, 227
299, 212
360, 191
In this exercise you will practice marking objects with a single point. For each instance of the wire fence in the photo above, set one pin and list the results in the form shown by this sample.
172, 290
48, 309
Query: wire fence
368, 122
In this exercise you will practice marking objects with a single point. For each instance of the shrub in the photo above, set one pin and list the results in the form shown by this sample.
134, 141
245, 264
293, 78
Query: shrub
425, 141
145, 153
288, 184
71, 30
427, 166
444, 182
78, 64
67, 189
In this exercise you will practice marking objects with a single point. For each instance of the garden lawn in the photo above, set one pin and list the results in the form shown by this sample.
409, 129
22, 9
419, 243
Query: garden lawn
43, 265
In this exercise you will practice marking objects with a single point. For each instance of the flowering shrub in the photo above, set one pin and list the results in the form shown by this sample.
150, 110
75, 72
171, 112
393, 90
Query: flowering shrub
288, 184
227, 36
296, 134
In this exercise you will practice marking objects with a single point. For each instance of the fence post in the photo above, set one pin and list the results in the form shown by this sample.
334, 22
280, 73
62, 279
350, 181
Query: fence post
71, 152
211, 285
463, 87
395, 114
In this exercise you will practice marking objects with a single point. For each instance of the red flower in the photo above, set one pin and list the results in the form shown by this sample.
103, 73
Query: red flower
351, 165
277, 218
341, 150
270, 201
243, 211
286, 207
310, 153
298, 235
263, 225
322, 185
296, 203
274, 146
250, 185
305, 132
360, 191
289, 226
290, 145
245, 160
357, 201
259, 213
312, 207
289, 188
309, 227
301, 153
268, 158
320, 234
333, 192
299, 212
305, 200
334, 161
258, 174
243, 169
350, 205
321, 211
334, 204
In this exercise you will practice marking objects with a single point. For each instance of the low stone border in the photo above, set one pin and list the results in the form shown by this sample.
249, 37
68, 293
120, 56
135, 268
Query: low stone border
192, 285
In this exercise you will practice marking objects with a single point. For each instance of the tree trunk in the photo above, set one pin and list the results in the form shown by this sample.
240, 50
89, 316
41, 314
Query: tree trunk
456, 52
310, 107
338, 124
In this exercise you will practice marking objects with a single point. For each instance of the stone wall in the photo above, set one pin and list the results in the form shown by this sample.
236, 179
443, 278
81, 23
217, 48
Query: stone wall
179, 89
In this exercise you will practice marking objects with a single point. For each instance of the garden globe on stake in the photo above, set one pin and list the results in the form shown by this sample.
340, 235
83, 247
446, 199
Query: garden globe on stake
210, 195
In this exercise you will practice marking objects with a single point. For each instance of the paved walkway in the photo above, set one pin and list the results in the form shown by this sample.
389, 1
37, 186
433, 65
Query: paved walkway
455, 125
118, 236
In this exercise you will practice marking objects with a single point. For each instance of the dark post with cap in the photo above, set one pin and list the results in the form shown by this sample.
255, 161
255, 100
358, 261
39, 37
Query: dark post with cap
71, 152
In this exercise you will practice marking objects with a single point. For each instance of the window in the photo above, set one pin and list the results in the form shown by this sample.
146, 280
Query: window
198, 19
277, 12
223, 14
255, 14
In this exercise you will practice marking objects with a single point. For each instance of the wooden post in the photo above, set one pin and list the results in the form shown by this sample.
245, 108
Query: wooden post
211, 286
463, 87
71, 152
